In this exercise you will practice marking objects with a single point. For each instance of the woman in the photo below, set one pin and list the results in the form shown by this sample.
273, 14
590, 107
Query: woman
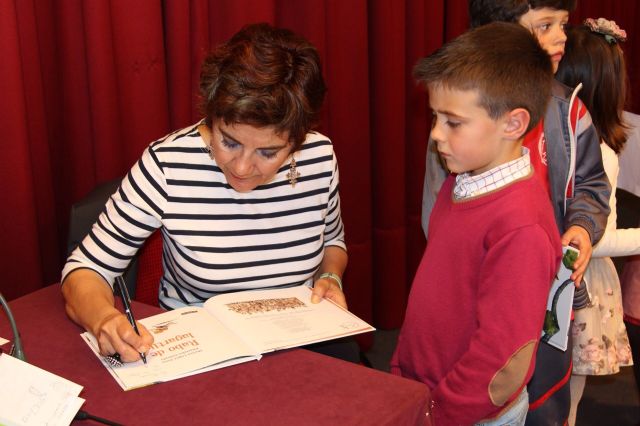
594, 58
245, 199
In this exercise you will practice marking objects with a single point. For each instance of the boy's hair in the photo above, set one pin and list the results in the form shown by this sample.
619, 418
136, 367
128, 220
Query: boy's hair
599, 65
502, 62
482, 12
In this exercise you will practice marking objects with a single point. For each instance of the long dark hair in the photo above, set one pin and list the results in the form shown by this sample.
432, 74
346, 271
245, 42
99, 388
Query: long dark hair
599, 65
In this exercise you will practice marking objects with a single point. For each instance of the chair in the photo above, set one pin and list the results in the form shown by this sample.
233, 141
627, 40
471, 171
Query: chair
143, 274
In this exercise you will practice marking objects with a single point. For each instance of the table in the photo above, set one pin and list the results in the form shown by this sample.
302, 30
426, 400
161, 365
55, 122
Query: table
288, 387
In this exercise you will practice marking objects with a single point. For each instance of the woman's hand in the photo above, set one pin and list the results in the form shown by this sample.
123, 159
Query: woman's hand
89, 302
334, 262
327, 288
115, 335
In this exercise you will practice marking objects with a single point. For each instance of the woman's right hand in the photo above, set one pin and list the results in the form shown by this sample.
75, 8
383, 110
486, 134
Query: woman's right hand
115, 335
90, 303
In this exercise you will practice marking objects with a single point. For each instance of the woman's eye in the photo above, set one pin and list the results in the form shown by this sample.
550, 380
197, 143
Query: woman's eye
453, 124
544, 27
229, 144
269, 153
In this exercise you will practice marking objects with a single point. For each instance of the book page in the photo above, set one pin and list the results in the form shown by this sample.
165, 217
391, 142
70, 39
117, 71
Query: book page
186, 341
283, 318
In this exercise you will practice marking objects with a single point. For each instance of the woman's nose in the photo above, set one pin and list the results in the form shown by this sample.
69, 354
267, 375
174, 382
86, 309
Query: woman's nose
243, 164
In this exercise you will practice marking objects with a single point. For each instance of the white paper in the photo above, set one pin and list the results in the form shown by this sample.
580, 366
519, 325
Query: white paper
3, 341
32, 396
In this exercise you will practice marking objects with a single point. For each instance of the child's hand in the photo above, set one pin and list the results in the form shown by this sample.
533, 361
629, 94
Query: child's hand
578, 237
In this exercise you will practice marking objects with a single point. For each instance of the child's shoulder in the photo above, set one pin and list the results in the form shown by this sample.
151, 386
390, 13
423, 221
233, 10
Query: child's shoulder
526, 203
561, 92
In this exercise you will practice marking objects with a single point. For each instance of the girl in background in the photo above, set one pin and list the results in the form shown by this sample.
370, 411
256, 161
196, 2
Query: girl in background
594, 58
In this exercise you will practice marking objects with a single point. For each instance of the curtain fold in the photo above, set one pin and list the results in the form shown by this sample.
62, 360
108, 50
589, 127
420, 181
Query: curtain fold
87, 85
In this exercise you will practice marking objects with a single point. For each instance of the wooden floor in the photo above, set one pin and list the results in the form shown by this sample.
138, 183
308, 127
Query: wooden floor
607, 401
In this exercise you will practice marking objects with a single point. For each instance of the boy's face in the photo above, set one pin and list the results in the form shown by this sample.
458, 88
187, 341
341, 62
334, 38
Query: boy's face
467, 138
548, 26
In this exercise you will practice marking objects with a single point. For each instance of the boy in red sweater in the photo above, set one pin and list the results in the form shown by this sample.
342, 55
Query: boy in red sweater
478, 299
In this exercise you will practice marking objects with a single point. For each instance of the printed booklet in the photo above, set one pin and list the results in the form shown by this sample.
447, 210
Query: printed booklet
560, 303
230, 329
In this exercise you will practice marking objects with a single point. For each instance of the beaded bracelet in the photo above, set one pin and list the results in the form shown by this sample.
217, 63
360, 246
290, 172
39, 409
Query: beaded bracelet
332, 276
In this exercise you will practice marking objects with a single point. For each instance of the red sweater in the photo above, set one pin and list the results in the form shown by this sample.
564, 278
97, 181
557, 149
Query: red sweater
478, 300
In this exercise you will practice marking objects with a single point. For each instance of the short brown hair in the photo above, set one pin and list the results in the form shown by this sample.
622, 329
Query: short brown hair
502, 62
264, 76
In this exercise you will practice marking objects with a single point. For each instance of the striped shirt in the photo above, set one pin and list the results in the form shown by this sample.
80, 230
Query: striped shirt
217, 240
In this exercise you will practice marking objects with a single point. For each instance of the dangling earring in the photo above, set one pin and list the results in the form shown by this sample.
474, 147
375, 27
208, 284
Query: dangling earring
210, 151
293, 174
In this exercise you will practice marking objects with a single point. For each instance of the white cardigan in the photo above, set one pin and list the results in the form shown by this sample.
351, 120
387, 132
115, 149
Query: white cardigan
615, 242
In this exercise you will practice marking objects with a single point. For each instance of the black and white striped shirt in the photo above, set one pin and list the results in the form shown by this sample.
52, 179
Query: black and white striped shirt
215, 239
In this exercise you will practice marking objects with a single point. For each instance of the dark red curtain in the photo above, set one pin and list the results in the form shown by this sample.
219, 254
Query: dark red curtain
86, 85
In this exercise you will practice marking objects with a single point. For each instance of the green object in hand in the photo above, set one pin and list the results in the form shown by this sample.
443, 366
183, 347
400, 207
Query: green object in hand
551, 325
569, 258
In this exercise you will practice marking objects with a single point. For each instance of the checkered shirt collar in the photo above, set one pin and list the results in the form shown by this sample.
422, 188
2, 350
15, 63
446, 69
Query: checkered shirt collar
468, 186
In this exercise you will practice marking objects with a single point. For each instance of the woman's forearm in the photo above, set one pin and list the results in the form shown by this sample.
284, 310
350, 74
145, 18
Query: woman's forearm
88, 299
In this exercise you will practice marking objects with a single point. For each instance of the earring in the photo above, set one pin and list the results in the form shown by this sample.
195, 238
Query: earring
293, 174
210, 151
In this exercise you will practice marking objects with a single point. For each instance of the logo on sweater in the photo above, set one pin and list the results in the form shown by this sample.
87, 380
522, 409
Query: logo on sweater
542, 149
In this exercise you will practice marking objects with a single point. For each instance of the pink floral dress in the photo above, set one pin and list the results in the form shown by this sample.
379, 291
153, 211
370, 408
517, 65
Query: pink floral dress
600, 342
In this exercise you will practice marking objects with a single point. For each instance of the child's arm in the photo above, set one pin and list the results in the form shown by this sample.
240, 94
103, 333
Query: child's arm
513, 286
588, 209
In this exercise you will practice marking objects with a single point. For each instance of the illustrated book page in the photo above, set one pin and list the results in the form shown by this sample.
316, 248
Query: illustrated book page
285, 318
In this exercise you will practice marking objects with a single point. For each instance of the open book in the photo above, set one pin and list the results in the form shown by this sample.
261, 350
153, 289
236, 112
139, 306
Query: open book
230, 329
560, 303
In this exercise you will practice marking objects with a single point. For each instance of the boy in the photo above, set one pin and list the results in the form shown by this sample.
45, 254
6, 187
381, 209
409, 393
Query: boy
565, 152
478, 299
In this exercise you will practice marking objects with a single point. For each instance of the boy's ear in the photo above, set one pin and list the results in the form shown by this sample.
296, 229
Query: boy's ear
517, 122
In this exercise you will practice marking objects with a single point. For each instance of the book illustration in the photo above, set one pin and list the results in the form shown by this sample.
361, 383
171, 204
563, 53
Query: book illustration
569, 258
262, 306
161, 328
551, 325
557, 318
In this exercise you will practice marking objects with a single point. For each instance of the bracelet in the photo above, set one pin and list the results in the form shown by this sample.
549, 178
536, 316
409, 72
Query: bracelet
332, 276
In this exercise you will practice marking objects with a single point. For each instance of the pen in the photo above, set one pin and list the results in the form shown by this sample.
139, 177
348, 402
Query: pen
126, 303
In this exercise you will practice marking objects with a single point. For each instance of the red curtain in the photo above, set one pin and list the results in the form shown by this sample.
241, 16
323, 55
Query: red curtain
86, 85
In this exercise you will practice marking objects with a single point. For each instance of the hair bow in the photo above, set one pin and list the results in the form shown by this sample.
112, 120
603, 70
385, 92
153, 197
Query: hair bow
609, 29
